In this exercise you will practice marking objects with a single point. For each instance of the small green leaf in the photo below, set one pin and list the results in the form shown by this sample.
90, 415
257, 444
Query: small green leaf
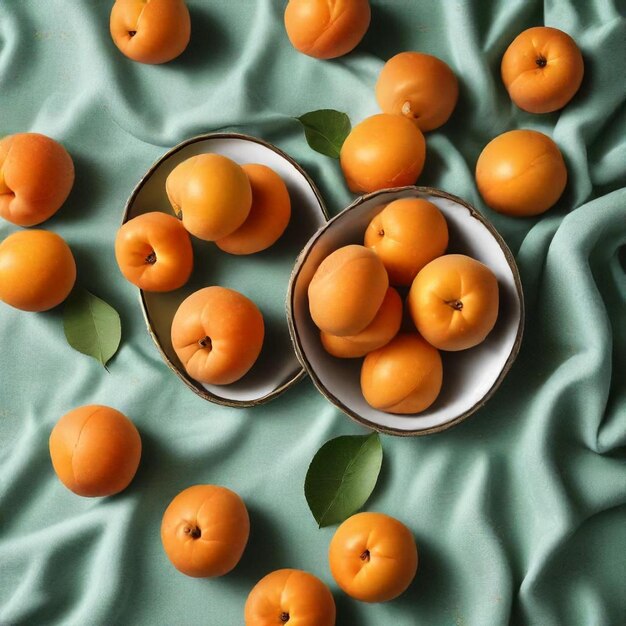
91, 325
342, 476
326, 130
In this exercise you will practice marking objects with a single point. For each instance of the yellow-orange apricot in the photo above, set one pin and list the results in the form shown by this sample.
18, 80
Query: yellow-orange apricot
268, 217
37, 270
154, 252
380, 331
382, 151
326, 29
454, 302
419, 86
407, 234
95, 450
150, 31
217, 334
212, 195
347, 290
542, 69
36, 176
405, 376
521, 173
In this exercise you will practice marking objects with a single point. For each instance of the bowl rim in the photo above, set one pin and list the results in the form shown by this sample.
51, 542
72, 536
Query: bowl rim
295, 338
196, 387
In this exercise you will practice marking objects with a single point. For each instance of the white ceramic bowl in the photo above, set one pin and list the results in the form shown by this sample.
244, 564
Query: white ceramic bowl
262, 276
470, 377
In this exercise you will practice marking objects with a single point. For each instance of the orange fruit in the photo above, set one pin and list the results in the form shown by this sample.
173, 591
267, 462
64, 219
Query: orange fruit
269, 214
217, 334
205, 530
154, 252
37, 270
379, 332
211, 194
150, 31
454, 302
521, 173
36, 177
406, 235
542, 69
326, 29
373, 557
95, 450
290, 596
382, 151
419, 86
347, 290
403, 376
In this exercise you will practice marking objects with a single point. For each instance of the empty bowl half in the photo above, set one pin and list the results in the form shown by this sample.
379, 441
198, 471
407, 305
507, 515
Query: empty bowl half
263, 276
470, 377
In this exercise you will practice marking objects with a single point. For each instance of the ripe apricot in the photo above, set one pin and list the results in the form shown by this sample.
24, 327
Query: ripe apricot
37, 270
373, 557
454, 302
406, 235
211, 194
36, 177
95, 450
154, 252
542, 69
419, 86
269, 213
290, 596
217, 334
379, 332
326, 29
150, 31
347, 290
521, 173
205, 530
382, 151
402, 377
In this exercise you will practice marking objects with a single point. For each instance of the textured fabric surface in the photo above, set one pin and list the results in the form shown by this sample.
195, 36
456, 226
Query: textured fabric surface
518, 512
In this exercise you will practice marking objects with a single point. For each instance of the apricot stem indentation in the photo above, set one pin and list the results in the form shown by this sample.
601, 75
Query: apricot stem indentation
457, 305
151, 258
132, 33
284, 617
194, 533
365, 556
541, 61
205, 343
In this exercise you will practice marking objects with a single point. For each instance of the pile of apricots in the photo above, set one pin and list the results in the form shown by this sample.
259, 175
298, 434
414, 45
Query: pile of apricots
218, 333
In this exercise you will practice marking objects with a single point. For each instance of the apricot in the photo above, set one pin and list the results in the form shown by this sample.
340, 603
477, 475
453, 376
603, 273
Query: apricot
150, 31
542, 69
211, 194
95, 450
290, 596
402, 377
521, 173
379, 332
382, 151
454, 302
373, 557
419, 86
204, 531
154, 252
347, 290
217, 334
326, 29
406, 235
37, 270
36, 177
269, 213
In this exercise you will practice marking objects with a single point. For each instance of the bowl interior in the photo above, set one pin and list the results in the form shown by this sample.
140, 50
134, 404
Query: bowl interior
469, 376
263, 277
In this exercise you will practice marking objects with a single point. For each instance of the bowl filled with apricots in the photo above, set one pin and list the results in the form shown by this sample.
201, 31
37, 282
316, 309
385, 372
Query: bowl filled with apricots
209, 235
406, 309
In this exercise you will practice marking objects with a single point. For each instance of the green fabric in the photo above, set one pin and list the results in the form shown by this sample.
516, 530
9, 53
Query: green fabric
518, 512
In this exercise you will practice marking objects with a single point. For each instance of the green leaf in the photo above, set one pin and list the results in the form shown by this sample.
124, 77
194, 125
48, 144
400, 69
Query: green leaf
91, 325
326, 130
342, 476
